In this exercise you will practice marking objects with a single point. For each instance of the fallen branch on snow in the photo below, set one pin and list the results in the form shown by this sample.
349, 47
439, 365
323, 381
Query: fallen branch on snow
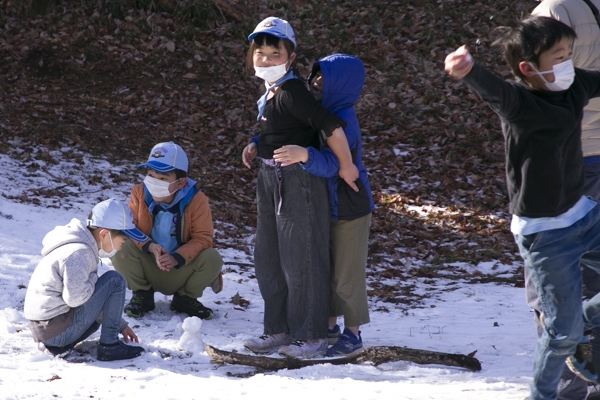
377, 355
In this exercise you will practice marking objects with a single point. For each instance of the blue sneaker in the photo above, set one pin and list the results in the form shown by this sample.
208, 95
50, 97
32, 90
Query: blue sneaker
581, 363
347, 344
333, 334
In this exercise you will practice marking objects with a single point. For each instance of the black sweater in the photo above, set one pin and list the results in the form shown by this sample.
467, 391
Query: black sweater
293, 116
542, 133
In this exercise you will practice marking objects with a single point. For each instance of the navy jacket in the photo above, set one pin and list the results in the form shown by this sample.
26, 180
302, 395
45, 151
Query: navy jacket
343, 79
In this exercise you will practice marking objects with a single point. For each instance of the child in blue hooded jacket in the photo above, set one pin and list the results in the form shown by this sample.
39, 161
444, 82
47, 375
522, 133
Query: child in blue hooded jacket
337, 81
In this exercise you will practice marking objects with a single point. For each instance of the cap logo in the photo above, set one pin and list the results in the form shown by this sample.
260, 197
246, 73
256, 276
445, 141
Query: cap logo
269, 24
159, 153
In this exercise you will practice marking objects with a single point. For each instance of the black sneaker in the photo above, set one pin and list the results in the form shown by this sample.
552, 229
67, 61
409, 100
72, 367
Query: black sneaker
581, 363
190, 306
118, 351
141, 302
59, 352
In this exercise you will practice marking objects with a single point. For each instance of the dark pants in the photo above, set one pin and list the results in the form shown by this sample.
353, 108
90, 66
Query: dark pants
291, 255
571, 387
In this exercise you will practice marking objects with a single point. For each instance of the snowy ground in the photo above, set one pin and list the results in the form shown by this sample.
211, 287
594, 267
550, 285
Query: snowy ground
490, 319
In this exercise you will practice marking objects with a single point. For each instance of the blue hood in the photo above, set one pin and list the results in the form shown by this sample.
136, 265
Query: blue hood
343, 80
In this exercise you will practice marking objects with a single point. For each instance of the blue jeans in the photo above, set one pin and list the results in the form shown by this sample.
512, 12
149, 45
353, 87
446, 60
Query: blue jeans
552, 259
570, 386
107, 301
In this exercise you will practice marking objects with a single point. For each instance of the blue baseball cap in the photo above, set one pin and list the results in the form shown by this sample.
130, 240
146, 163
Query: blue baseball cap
277, 27
166, 157
112, 214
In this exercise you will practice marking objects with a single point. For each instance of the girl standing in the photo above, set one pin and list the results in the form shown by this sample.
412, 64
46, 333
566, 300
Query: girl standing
291, 255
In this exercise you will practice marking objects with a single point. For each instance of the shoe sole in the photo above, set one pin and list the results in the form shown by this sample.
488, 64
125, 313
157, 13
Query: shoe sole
62, 355
140, 315
132, 315
118, 359
342, 355
320, 354
268, 351
580, 374
211, 316
309, 357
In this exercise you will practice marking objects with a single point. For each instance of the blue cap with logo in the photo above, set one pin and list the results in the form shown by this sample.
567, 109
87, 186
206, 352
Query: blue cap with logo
166, 157
275, 26
112, 214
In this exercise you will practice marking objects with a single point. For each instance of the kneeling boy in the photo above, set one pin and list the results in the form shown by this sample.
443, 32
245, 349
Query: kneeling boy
66, 301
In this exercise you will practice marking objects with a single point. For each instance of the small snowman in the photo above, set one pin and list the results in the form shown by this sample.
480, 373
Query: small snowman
191, 340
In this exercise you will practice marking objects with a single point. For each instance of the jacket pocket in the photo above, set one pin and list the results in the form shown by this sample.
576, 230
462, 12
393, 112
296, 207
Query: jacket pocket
351, 204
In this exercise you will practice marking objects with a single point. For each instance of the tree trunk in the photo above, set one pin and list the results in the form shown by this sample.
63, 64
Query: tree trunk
377, 355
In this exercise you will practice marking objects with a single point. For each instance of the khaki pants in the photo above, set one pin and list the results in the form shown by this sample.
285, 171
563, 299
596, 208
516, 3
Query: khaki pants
349, 249
141, 272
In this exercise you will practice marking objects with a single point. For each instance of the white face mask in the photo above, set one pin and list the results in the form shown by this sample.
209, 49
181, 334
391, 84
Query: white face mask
271, 74
158, 188
107, 254
564, 75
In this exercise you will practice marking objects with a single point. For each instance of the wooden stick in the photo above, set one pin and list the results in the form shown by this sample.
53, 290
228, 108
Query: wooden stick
377, 355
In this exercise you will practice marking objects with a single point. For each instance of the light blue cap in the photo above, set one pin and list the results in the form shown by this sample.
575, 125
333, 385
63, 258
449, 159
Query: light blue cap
277, 27
166, 157
112, 214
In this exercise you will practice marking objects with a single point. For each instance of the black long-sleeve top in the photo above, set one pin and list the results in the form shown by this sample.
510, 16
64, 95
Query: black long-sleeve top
542, 133
293, 116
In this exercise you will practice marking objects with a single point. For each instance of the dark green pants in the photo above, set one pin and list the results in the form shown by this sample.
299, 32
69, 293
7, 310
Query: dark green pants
349, 249
141, 272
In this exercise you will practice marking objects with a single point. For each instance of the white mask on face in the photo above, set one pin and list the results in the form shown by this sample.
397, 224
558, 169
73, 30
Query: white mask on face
271, 74
158, 188
564, 75
107, 254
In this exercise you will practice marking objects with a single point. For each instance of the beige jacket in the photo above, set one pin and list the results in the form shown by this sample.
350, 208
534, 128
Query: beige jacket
586, 54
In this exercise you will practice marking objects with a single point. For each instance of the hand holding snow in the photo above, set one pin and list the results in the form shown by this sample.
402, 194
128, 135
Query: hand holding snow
191, 340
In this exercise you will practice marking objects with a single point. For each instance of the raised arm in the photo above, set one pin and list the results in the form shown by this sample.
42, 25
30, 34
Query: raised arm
502, 97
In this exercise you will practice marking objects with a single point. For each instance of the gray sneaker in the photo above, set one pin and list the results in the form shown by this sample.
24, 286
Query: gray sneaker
268, 343
305, 349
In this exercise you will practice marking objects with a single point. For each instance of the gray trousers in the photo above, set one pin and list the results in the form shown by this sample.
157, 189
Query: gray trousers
141, 272
291, 255
349, 251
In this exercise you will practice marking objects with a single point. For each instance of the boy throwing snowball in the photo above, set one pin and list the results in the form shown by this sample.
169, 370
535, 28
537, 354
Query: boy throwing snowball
554, 225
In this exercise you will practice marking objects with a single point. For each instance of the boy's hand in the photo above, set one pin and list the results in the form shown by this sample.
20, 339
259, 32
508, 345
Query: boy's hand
129, 335
291, 154
249, 154
157, 250
166, 262
349, 173
459, 63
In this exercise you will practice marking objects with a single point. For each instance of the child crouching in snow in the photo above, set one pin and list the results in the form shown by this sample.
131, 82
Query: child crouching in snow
67, 301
